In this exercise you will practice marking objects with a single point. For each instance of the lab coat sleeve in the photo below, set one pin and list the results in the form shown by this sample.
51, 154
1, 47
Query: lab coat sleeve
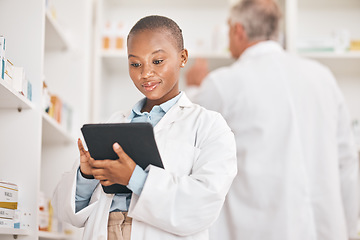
185, 205
349, 169
63, 200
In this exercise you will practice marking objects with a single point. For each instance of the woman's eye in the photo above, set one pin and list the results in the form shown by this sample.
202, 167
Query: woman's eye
135, 64
158, 61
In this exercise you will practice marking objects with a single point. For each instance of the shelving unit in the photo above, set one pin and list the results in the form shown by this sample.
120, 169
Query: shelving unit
47, 235
322, 19
37, 149
11, 99
53, 132
54, 34
14, 232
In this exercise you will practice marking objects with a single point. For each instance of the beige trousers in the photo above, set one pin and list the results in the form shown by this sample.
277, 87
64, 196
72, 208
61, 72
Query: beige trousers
119, 226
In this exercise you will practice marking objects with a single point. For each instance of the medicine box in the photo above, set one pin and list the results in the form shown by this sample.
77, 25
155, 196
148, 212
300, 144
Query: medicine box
7, 213
2, 57
8, 195
6, 223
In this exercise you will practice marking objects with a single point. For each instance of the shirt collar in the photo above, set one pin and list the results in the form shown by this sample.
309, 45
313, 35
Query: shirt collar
136, 110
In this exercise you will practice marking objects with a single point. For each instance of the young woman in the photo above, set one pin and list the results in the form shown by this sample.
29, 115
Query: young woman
196, 146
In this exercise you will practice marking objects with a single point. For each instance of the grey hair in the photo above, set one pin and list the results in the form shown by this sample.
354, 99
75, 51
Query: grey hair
260, 18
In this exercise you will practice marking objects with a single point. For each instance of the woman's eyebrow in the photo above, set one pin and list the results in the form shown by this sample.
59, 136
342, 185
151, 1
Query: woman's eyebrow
155, 52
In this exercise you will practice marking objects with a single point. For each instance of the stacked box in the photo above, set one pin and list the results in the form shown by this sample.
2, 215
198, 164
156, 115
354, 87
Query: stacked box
2, 58
8, 204
7, 213
8, 195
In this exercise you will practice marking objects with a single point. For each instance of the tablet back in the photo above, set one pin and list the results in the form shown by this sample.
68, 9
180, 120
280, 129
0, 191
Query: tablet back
137, 140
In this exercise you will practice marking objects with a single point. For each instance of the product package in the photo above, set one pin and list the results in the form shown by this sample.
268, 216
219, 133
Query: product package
7, 213
2, 58
8, 195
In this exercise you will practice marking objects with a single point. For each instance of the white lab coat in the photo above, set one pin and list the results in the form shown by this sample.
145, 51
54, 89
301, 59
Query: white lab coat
297, 164
199, 155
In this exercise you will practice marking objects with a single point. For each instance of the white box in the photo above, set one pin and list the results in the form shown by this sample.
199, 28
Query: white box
8, 195
2, 47
19, 82
2, 58
9, 72
6, 223
2, 69
7, 213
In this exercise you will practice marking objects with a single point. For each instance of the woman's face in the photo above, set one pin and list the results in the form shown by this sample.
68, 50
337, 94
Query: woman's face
154, 64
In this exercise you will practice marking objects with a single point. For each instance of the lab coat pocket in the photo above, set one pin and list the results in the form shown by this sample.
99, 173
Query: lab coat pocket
180, 157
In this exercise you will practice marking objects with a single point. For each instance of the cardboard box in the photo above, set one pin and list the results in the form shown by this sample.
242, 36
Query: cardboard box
8, 195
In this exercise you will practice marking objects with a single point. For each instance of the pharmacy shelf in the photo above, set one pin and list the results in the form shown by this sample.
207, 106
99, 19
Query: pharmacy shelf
53, 132
9, 98
15, 232
52, 235
332, 55
55, 38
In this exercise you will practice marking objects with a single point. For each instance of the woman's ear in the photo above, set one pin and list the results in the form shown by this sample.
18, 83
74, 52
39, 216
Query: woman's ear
184, 57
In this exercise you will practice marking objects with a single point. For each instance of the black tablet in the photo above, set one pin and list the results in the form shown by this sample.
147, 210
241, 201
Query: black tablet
137, 140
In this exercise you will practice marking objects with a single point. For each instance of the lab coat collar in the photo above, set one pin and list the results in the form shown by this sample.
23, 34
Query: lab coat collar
175, 113
261, 48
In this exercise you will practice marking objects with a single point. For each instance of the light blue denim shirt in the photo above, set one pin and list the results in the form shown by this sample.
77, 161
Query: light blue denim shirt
85, 187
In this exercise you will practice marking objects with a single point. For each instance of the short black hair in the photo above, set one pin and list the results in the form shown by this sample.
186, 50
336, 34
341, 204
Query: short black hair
159, 22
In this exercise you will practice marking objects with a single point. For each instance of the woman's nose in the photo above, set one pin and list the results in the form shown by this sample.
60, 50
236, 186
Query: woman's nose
147, 71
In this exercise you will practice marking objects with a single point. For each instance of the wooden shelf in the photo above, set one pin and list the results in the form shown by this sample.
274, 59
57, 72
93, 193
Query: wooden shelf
9, 98
55, 38
53, 235
53, 132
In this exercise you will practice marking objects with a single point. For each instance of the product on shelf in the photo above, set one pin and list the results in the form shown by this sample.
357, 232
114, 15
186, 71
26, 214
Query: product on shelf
2, 57
8, 205
7, 213
8, 195
57, 108
16, 79
9, 72
43, 212
114, 34
45, 98
355, 45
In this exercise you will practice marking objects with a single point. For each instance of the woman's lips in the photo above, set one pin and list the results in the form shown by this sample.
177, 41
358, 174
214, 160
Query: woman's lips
150, 86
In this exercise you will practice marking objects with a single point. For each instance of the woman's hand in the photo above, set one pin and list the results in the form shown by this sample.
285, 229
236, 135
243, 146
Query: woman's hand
113, 171
85, 168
